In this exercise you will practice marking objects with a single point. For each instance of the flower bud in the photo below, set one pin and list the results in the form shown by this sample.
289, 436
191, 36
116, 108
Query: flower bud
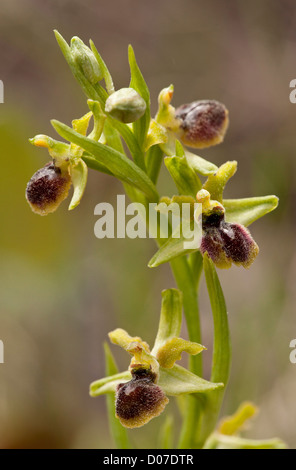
202, 123
47, 188
86, 61
125, 105
139, 400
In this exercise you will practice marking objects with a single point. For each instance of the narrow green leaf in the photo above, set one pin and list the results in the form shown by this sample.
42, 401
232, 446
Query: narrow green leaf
137, 82
113, 137
221, 359
121, 167
78, 173
246, 211
196, 264
177, 381
166, 434
170, 317
180, 151
185, 178
95, 165
222, 349
130, 141
199, 164
154, 159
118, 432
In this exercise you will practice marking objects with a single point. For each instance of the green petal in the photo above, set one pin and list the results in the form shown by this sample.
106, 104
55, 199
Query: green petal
108, 384
220, 441
177, 380
121, 338
216, 182
121, 166
99, 119
171, 351
246, 211
184, 176
200, 165
81, 125
170, 317
78, 172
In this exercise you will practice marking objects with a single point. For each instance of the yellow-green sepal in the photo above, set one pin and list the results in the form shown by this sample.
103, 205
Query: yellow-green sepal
178, 381
78, 172
248, 210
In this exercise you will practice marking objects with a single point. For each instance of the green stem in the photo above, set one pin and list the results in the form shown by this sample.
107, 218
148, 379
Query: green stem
221, 351
188, 284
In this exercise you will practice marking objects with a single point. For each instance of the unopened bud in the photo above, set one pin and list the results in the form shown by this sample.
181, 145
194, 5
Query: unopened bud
139, 400
85, 59
202, 123
47, 188
125, 105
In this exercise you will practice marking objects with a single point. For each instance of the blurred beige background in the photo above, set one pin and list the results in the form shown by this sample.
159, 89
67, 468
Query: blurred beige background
62, 290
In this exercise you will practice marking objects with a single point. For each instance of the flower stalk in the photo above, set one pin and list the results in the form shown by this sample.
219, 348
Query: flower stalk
142, 390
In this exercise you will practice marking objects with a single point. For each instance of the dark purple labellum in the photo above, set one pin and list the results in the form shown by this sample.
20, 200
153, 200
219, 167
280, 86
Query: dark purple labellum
203, 123
139, 400
47, 188
227, 243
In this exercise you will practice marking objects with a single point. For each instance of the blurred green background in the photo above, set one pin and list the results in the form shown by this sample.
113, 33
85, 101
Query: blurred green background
62, 289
